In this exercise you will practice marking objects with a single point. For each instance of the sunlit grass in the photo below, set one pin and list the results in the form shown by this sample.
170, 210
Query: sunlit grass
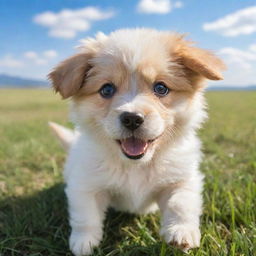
33, 215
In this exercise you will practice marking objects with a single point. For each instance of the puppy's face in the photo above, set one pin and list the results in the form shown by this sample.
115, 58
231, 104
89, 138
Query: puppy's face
136, 90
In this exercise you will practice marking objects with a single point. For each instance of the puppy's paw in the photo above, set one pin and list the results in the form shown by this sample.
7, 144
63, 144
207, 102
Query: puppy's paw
182, 236
82, 243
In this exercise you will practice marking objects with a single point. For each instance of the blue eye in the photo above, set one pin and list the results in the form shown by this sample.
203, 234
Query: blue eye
107, 90
160, 89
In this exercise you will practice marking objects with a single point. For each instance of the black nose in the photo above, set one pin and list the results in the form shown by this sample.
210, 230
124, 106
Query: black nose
131, 120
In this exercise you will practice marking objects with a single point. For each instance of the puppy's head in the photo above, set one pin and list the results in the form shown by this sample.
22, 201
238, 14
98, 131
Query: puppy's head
136, 91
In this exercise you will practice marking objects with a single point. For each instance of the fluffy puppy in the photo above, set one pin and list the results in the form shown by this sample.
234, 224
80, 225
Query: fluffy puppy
136, 101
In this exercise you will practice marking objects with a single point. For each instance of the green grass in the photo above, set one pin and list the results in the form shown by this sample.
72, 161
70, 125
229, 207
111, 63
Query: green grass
33, 212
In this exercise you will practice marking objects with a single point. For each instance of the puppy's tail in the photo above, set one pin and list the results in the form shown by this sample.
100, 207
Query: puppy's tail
64, 135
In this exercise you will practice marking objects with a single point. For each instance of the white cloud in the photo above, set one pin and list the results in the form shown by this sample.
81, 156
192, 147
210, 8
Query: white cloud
30, 55
242, 22
9, 62
178, 4
31, 64
241, 57
157, 6
241, 66
40, 59
67, 23
50, 54
252, 47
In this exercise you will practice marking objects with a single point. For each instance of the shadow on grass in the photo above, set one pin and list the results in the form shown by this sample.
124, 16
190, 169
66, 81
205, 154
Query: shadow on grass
34, 225
38, 225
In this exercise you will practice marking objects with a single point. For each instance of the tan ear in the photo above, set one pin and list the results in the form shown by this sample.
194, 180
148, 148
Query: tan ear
68, 77
201, 61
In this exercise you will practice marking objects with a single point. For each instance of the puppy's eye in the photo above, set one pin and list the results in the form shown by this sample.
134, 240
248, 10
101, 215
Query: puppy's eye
161, 89
107, 90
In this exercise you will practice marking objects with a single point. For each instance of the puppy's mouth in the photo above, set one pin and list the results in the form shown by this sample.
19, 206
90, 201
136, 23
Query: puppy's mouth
134, 148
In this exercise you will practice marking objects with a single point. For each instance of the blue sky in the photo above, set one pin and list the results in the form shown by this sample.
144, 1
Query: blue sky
37, 34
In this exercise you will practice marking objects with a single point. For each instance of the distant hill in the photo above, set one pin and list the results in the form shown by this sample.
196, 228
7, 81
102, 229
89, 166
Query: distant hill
15, 81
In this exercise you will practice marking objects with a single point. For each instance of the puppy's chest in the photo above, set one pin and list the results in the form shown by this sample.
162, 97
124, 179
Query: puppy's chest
133, 190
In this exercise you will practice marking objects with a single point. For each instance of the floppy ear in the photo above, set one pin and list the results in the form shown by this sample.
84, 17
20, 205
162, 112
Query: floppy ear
201, 61
68, 77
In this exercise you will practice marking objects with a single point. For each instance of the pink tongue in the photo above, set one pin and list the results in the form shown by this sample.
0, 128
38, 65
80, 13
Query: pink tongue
133, 146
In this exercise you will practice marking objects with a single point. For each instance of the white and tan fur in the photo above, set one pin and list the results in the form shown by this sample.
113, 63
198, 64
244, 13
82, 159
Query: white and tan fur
97, 174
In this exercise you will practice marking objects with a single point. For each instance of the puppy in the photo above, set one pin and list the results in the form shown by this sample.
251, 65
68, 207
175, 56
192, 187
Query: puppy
136, 102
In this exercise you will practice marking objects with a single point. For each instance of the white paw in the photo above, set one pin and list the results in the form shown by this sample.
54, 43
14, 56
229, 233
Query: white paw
82, 243
183, 236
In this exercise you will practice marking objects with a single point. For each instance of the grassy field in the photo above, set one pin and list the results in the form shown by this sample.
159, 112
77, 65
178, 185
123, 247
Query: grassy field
33, 214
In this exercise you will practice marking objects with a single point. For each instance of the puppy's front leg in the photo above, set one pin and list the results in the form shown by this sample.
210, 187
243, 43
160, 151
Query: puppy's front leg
180, 206
86, 210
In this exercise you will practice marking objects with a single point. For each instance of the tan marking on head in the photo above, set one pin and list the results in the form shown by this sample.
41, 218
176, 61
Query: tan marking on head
105, 69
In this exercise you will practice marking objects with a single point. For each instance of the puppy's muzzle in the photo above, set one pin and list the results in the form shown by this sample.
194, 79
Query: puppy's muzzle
131, 120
